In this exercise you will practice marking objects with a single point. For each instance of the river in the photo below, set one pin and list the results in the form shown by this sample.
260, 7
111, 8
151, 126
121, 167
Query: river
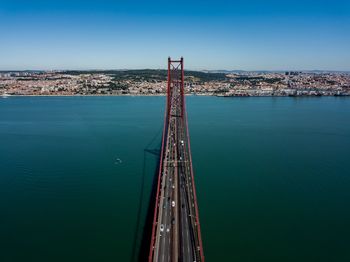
272, 176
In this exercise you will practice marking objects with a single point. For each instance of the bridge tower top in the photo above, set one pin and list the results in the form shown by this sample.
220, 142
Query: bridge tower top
175, 88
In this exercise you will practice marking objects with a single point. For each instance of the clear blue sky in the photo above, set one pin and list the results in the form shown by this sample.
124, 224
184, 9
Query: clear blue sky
247, 35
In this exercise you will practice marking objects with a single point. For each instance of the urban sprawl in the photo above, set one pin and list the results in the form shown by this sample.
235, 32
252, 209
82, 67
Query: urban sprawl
154, 82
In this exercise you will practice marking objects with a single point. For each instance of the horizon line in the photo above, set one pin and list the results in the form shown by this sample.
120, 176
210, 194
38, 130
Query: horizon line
197, 70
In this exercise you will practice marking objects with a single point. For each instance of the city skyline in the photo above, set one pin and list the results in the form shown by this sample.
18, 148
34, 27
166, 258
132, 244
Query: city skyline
218, 35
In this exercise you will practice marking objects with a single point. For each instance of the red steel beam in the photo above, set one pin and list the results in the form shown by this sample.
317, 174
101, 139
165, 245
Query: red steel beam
194, 189
150, 258
165, 131
168, 87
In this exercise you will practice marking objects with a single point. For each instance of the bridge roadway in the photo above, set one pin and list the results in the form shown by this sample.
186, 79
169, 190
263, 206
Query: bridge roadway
176, 236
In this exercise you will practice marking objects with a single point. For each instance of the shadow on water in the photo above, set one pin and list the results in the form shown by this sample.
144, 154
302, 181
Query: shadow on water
143, 231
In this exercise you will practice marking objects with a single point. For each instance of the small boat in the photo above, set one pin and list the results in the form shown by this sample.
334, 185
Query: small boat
118, 161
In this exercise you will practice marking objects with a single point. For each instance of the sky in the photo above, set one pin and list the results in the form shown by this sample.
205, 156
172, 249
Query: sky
210, 35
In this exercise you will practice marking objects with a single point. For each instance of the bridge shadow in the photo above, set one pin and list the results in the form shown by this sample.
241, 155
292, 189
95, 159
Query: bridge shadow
155, 152
143, 231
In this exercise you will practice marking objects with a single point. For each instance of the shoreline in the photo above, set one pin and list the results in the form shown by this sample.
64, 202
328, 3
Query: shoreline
161, 95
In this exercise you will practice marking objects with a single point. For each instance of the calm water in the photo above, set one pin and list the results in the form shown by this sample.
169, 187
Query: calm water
272, 177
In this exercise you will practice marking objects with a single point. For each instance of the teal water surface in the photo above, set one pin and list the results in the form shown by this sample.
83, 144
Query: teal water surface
272, 177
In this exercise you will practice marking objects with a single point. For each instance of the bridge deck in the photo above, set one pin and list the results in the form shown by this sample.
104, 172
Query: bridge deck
176, 230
